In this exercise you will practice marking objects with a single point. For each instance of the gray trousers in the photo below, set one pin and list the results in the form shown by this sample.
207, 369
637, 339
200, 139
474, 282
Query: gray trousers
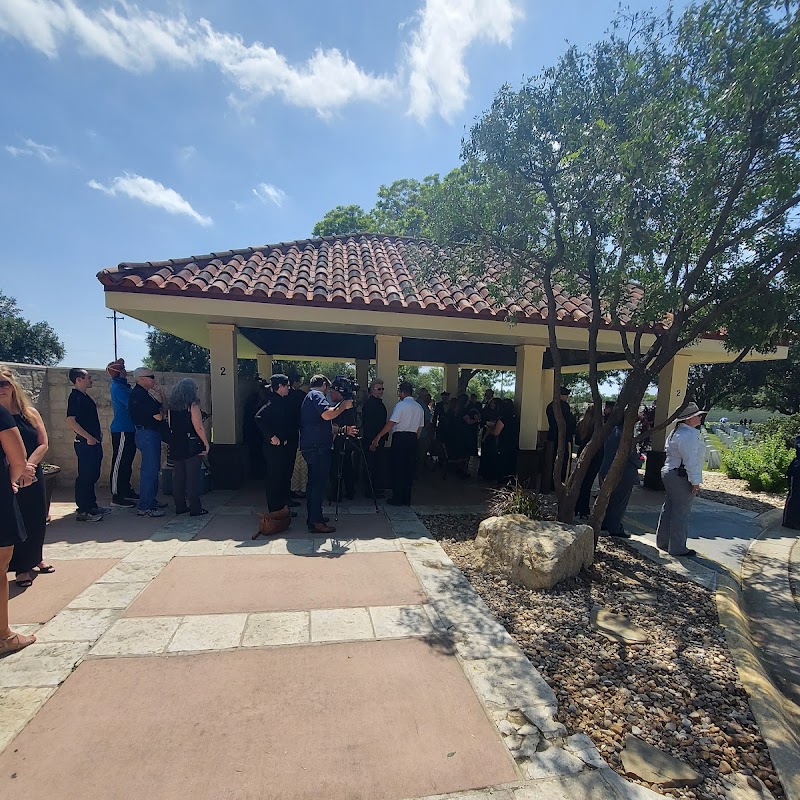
186, 480
673, 524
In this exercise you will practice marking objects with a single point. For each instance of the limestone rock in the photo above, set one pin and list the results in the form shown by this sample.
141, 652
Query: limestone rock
533, 553
616, 627
652, 765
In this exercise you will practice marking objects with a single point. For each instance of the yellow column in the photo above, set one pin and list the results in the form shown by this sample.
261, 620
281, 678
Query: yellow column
672, 382
224, 383
362, 372
387, 363
548, 378
529, 393
451, 378
264, 362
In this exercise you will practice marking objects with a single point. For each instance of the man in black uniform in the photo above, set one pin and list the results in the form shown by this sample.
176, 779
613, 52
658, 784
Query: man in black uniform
373, 418
274, 420
295, 400
552, 435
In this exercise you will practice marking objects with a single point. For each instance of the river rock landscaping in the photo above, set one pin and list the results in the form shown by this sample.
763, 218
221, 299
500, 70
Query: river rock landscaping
678, 690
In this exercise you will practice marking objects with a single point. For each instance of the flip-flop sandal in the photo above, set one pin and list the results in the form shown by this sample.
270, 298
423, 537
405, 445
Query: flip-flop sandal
48, 569
15, 643
24, 583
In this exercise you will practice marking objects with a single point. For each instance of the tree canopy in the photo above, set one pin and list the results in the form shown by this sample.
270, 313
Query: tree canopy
655, 172
168, 353
25, 342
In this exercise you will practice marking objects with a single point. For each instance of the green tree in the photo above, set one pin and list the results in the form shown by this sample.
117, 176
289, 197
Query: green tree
402, 207
656, 173
343, 220
168, 353
24, 342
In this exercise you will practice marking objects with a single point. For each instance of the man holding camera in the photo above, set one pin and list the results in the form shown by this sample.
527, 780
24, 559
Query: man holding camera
405, 424
316, 441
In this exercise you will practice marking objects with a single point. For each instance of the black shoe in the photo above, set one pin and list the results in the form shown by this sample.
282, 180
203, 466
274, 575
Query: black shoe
131, 495
293, 504
685, 554
325, 521
621, 534
182, 511
394, 502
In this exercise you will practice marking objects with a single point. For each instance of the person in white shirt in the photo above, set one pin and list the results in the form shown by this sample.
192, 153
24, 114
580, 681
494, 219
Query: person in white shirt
682, 474
405, 424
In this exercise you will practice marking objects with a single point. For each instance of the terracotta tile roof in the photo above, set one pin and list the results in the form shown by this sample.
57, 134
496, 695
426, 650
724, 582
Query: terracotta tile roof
359, 271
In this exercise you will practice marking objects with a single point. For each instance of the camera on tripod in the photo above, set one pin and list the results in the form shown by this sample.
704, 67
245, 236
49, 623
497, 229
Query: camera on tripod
347, 388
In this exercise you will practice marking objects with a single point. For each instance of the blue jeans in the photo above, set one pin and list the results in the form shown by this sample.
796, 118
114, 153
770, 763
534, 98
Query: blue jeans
319, 467
149, 444
90, 457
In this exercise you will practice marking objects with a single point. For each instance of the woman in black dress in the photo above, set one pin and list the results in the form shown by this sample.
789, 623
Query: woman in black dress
506, 430
32, 502
13, 475
187, 445
791, 511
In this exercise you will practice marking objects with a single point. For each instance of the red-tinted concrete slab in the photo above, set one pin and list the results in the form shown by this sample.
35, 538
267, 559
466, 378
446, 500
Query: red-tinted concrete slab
349, 526
228, 584
354, 721
50, 593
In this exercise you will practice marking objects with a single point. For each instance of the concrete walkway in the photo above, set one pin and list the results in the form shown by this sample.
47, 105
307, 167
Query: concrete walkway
754, 563
177, 658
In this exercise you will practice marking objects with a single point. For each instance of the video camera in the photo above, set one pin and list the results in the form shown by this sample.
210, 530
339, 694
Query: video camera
347, 388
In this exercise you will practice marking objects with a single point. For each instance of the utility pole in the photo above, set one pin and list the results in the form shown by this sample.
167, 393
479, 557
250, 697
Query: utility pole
115, 318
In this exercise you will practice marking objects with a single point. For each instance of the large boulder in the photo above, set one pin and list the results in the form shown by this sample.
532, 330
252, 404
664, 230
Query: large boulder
533, 553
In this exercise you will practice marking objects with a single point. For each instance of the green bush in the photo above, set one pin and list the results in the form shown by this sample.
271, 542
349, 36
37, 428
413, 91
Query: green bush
785, 427
761, 462
516, 498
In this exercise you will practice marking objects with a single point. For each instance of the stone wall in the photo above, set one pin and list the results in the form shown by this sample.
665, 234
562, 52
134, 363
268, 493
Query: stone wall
49, 388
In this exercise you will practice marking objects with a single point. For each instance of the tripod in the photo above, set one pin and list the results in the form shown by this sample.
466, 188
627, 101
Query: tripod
357, 444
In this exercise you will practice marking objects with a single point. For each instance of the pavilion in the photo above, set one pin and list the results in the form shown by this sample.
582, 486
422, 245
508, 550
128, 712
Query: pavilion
360, 298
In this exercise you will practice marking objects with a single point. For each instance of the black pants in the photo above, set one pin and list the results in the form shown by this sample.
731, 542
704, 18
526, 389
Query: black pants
403, 455
123, 452
373, 471
186, 484
279, 477
33, 508
90, 459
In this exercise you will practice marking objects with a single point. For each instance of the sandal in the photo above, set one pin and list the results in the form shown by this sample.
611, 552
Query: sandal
47, 569
15, 642
24, 583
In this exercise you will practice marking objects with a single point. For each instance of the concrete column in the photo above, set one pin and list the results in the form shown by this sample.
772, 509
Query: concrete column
672, 383
224, 383
362, 372
529, 393
548, 378
451, 378
387, 364
264, 361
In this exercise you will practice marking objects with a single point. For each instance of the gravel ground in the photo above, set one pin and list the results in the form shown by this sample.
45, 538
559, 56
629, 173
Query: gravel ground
680, 691
734, 492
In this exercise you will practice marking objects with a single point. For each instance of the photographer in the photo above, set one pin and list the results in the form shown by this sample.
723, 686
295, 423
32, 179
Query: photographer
274, 420
373, 418
345, 428
316, 441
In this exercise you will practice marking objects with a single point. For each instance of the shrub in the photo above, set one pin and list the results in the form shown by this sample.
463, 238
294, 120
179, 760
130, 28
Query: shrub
762, 463
516, 498
785, 427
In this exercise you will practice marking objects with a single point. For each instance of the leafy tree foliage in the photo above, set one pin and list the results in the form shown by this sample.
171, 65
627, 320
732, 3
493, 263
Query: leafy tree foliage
25, 342
655, 172
344, 219
168, 353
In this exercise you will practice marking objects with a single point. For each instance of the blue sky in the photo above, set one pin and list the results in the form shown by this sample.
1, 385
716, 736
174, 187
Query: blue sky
162, 130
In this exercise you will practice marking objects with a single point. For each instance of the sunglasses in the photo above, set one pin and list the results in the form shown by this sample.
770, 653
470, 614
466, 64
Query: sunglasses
379, 388
5, 384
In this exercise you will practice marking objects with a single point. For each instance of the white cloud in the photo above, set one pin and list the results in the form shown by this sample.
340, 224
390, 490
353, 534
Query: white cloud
140, 41
187, 153
152, 193
438, 79
267, 193
136, 337
45, 152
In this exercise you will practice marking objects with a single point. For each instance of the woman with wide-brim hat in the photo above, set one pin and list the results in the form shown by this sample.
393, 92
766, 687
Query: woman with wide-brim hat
682, 475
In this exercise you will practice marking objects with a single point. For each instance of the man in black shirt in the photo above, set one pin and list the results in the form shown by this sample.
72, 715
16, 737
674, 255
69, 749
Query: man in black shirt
552, 434
145, 405
373, 418
83, 420
274, 420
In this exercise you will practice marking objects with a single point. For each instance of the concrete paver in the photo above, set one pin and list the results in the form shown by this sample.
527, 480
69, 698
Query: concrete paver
41, 664
340, 624
276, 628
137, 637
77, 625
107, 595
19, 706
390, 622
208, 632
